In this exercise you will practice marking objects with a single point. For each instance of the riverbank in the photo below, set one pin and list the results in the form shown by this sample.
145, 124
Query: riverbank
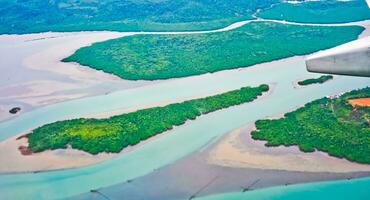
37, 77
176, 181
16, 160
65, 159
233, 163
238, 149
165, 151
296, 84
245, 46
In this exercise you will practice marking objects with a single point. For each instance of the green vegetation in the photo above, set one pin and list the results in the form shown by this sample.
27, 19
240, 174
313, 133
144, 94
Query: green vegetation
25, 16
153, 57
321, 79
29, 16
117, 132
329, 125
330, 11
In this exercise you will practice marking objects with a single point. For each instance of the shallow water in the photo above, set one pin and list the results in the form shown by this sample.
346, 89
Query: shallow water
340, 190
167, 149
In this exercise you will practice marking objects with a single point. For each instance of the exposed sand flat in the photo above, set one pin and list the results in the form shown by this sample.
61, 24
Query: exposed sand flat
360, 102
12, 160
35, 76
50, 57
45, 80
238, 149
193, 176
69, 158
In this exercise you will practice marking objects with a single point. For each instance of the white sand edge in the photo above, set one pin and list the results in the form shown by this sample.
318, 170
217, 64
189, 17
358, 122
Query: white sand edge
238, 149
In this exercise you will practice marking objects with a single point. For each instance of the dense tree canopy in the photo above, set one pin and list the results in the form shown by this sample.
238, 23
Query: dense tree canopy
321, 79
28, 16
153, 57
328, 11
24, 16
329, 125
117, 132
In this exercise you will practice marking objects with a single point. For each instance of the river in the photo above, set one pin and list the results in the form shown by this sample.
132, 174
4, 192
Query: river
166, 150
339, 190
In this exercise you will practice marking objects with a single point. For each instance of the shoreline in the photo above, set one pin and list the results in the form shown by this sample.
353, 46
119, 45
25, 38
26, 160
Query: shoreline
297, 86
177, 178
81, 81
149, 160
38, 77
215, 178
253, 68
167, 102
69, 158
363, 23
238, 149
230, 25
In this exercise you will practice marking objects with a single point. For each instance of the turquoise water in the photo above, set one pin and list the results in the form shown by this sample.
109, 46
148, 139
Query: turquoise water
178, 142
358, 189
168, 90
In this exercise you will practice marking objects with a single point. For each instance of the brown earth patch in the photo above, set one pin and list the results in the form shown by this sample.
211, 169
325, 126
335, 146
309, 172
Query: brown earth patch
364, 102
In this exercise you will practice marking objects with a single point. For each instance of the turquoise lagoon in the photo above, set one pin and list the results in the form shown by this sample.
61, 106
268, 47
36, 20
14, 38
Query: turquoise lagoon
192, 136
339, 190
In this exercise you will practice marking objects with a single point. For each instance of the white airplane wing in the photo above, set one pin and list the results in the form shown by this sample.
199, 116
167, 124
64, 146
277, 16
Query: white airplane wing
352, 59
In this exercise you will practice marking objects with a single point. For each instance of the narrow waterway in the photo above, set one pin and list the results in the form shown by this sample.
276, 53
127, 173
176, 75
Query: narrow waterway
165, 150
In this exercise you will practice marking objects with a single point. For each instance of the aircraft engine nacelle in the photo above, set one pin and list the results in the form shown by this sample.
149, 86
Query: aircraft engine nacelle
352, 59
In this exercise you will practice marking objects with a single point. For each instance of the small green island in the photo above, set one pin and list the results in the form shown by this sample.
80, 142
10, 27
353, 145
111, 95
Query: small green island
117, 132
320, 80
152, 57
330, 125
